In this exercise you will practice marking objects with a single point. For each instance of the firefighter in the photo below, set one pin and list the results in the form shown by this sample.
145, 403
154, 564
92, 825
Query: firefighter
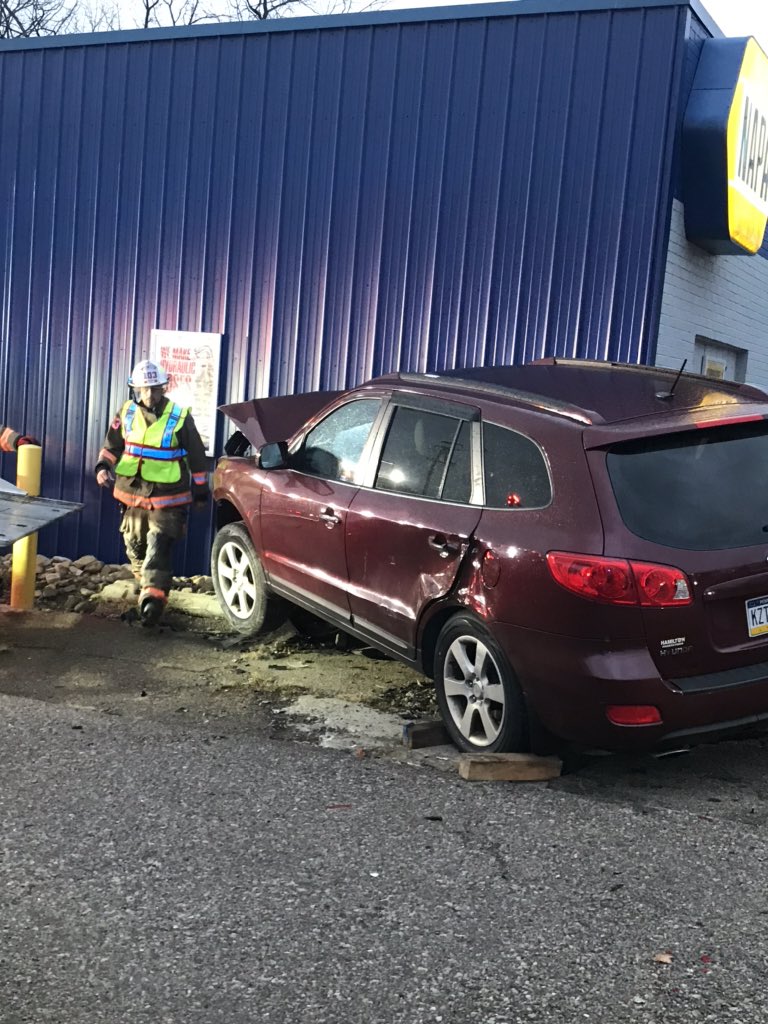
154, 460
11, 441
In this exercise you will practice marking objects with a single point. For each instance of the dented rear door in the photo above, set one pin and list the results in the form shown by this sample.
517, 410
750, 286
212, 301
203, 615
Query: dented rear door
410, 529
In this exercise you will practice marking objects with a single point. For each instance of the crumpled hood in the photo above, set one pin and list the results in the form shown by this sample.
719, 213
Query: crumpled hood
276, 419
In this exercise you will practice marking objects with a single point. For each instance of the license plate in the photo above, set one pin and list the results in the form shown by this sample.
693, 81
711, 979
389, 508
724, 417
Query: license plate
757, 616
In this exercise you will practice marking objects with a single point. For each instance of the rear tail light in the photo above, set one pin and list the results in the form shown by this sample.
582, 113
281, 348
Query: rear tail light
661, 586
633, 714
620, 581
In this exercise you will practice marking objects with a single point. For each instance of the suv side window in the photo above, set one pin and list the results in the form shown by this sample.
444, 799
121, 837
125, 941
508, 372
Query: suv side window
426, 454
516, 474
333, 448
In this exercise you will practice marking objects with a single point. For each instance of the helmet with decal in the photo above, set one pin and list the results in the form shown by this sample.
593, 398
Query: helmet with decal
147, 374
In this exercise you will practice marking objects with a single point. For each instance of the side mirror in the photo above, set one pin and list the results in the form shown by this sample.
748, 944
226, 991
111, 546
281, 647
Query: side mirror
273, 455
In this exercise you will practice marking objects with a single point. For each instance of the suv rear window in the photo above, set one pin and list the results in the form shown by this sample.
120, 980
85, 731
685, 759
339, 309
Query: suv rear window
704, 489
515, 472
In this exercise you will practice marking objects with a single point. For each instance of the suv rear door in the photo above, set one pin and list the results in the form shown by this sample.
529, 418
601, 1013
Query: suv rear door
409, 529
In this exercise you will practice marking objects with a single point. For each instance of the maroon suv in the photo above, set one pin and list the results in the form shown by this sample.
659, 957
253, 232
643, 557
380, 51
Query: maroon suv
567, 548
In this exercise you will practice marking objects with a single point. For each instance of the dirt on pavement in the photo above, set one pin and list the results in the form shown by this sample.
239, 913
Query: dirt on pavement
194, 667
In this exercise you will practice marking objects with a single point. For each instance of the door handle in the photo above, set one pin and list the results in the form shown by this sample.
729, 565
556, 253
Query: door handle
329, 517
442, 545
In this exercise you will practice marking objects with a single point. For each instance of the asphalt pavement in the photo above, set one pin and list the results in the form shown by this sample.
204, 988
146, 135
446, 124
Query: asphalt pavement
163, 872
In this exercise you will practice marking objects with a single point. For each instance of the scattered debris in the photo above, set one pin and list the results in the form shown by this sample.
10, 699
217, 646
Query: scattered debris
415, 700
663, 958
232, 641
329, 690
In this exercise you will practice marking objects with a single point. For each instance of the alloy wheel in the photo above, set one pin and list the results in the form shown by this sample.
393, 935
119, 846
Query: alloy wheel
236, 579
473, 690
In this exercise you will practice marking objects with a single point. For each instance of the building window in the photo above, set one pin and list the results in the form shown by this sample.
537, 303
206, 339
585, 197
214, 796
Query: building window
716, 359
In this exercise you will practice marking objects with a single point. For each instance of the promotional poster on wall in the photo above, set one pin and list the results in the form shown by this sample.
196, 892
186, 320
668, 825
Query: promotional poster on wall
191, 359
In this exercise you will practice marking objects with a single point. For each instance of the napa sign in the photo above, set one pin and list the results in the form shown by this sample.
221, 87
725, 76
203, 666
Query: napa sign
725, 148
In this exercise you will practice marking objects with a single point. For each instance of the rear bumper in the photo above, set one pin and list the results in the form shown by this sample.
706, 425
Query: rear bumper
713, 681
569, 682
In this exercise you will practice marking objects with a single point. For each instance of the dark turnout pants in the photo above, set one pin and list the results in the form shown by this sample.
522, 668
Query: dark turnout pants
149, 536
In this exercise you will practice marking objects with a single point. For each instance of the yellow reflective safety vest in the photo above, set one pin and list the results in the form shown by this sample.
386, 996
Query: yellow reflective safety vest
152, 451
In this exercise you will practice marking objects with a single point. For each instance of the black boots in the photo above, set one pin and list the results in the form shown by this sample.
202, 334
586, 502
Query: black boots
151, 611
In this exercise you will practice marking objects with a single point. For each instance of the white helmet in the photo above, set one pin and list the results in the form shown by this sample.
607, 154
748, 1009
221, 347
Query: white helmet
147, 375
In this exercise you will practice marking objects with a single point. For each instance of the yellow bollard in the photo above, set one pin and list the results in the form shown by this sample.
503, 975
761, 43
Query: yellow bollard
24, 564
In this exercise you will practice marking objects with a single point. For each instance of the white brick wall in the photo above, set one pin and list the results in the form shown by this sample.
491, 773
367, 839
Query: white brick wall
724, 298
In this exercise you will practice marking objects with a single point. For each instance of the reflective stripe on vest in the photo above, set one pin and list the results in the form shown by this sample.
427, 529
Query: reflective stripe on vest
146, 451
151, 450
173, 421
130, 412
8, 439
151, 501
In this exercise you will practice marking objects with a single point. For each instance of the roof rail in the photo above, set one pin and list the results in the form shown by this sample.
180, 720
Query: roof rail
540, 402
667, 370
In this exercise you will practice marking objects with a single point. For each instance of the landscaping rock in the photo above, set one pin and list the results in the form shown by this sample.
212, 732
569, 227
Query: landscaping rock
86, 583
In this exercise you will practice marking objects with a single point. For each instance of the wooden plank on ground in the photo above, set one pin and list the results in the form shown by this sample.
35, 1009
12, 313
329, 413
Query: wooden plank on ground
425, 734
508, 767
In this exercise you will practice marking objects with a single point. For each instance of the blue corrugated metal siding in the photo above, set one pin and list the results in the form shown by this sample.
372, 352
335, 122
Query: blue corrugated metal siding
337, 202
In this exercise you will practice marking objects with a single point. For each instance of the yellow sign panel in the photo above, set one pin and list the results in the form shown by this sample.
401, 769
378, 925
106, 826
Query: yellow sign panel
748, 152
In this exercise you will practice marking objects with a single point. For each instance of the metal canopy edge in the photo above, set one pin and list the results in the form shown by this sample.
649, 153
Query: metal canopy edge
21, 515
494, 9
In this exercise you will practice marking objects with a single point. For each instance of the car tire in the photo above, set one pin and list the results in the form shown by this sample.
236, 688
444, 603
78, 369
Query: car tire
479, 697
240, 584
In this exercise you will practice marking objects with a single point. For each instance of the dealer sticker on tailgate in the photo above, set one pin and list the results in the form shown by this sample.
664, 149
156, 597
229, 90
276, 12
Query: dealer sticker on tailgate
757, 616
